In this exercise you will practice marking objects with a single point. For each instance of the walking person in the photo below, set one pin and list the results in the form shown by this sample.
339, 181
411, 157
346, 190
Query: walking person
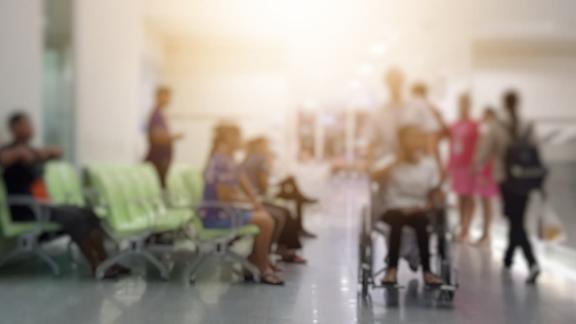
486, 184
517, 152
160, 139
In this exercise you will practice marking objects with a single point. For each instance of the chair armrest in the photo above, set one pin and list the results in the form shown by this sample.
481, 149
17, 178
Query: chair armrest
38, 207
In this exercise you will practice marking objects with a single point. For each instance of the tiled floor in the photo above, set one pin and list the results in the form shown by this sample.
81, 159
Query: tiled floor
322, 292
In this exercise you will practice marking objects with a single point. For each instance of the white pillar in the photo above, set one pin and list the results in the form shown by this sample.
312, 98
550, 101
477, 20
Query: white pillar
108, 42
21, 29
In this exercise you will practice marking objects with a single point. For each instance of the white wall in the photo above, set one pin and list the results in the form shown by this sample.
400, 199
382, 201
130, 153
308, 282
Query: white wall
21, 26
231, 80
108, 42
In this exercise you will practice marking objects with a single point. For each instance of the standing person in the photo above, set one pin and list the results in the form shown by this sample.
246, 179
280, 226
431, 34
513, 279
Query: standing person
399, 112
225, 183
515, 200
486, 184
388, 118
23, 174
463, 140
257, 166
160, 139
431, 121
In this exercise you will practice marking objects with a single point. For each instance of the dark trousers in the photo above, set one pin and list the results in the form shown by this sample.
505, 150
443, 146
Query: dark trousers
162, 167
419, 222
514, 206
77, 222
288, 235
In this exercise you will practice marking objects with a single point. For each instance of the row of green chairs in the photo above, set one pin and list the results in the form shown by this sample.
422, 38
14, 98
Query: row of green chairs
133, 207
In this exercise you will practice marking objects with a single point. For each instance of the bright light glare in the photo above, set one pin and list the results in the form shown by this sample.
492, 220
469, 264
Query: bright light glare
366, 69
378, 49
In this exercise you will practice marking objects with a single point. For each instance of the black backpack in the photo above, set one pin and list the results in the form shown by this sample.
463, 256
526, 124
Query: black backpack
525, 171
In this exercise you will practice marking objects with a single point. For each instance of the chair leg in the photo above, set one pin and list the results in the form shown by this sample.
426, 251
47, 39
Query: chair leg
48, 260
14, 254
193, 268
162, 268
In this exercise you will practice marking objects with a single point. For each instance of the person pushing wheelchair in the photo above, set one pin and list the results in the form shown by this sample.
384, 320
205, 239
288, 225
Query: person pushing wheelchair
411, 192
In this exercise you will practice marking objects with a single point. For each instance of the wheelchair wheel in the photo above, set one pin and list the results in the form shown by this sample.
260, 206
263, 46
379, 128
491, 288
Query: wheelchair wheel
365, 258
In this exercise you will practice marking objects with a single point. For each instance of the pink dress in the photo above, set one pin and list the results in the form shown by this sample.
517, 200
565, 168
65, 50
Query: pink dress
465, 135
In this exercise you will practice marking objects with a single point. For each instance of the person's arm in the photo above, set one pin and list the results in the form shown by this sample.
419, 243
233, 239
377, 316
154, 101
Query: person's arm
246, 187
159, 136
384, 173
49, 153
436, 139
10, 156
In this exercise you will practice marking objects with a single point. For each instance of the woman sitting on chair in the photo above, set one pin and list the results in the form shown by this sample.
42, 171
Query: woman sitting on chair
412, 186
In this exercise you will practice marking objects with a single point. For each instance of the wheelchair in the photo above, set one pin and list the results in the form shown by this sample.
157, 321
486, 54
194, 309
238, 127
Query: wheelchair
441, 245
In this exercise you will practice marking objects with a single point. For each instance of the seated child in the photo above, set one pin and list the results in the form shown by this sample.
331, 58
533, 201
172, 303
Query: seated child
412, 185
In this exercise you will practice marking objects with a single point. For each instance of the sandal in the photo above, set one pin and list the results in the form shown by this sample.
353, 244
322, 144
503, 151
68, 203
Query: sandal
271, 279
275, 267
432, 280
293, 258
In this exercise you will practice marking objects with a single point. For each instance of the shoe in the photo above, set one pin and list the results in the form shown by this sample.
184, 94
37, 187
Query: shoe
116, 272
533, 274
308, 201
306, 234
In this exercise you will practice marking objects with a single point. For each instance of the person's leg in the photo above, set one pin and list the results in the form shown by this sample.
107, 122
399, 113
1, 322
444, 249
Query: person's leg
522, 236
487, 213
508, 202
300, 220
420, 224
395, 220
259, 255
466, 206
163, 167
289, 240
288, 237
82, 229
280, 219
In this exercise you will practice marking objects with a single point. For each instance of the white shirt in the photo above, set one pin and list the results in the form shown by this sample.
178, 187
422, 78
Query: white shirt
409, 184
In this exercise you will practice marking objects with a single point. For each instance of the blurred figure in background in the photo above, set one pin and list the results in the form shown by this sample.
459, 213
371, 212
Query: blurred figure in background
430, 120
501, 142
226, 184
23, 176
389, 117
290, 191
257, 166
463, 140
486, 186
399, 112
160, 139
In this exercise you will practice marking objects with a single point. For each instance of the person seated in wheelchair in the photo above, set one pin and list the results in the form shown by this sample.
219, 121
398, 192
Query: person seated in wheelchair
412, 189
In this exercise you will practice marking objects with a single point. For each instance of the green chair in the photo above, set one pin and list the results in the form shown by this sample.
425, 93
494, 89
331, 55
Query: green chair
127, 219
185, 185
26, 234
132, 200
63, 184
